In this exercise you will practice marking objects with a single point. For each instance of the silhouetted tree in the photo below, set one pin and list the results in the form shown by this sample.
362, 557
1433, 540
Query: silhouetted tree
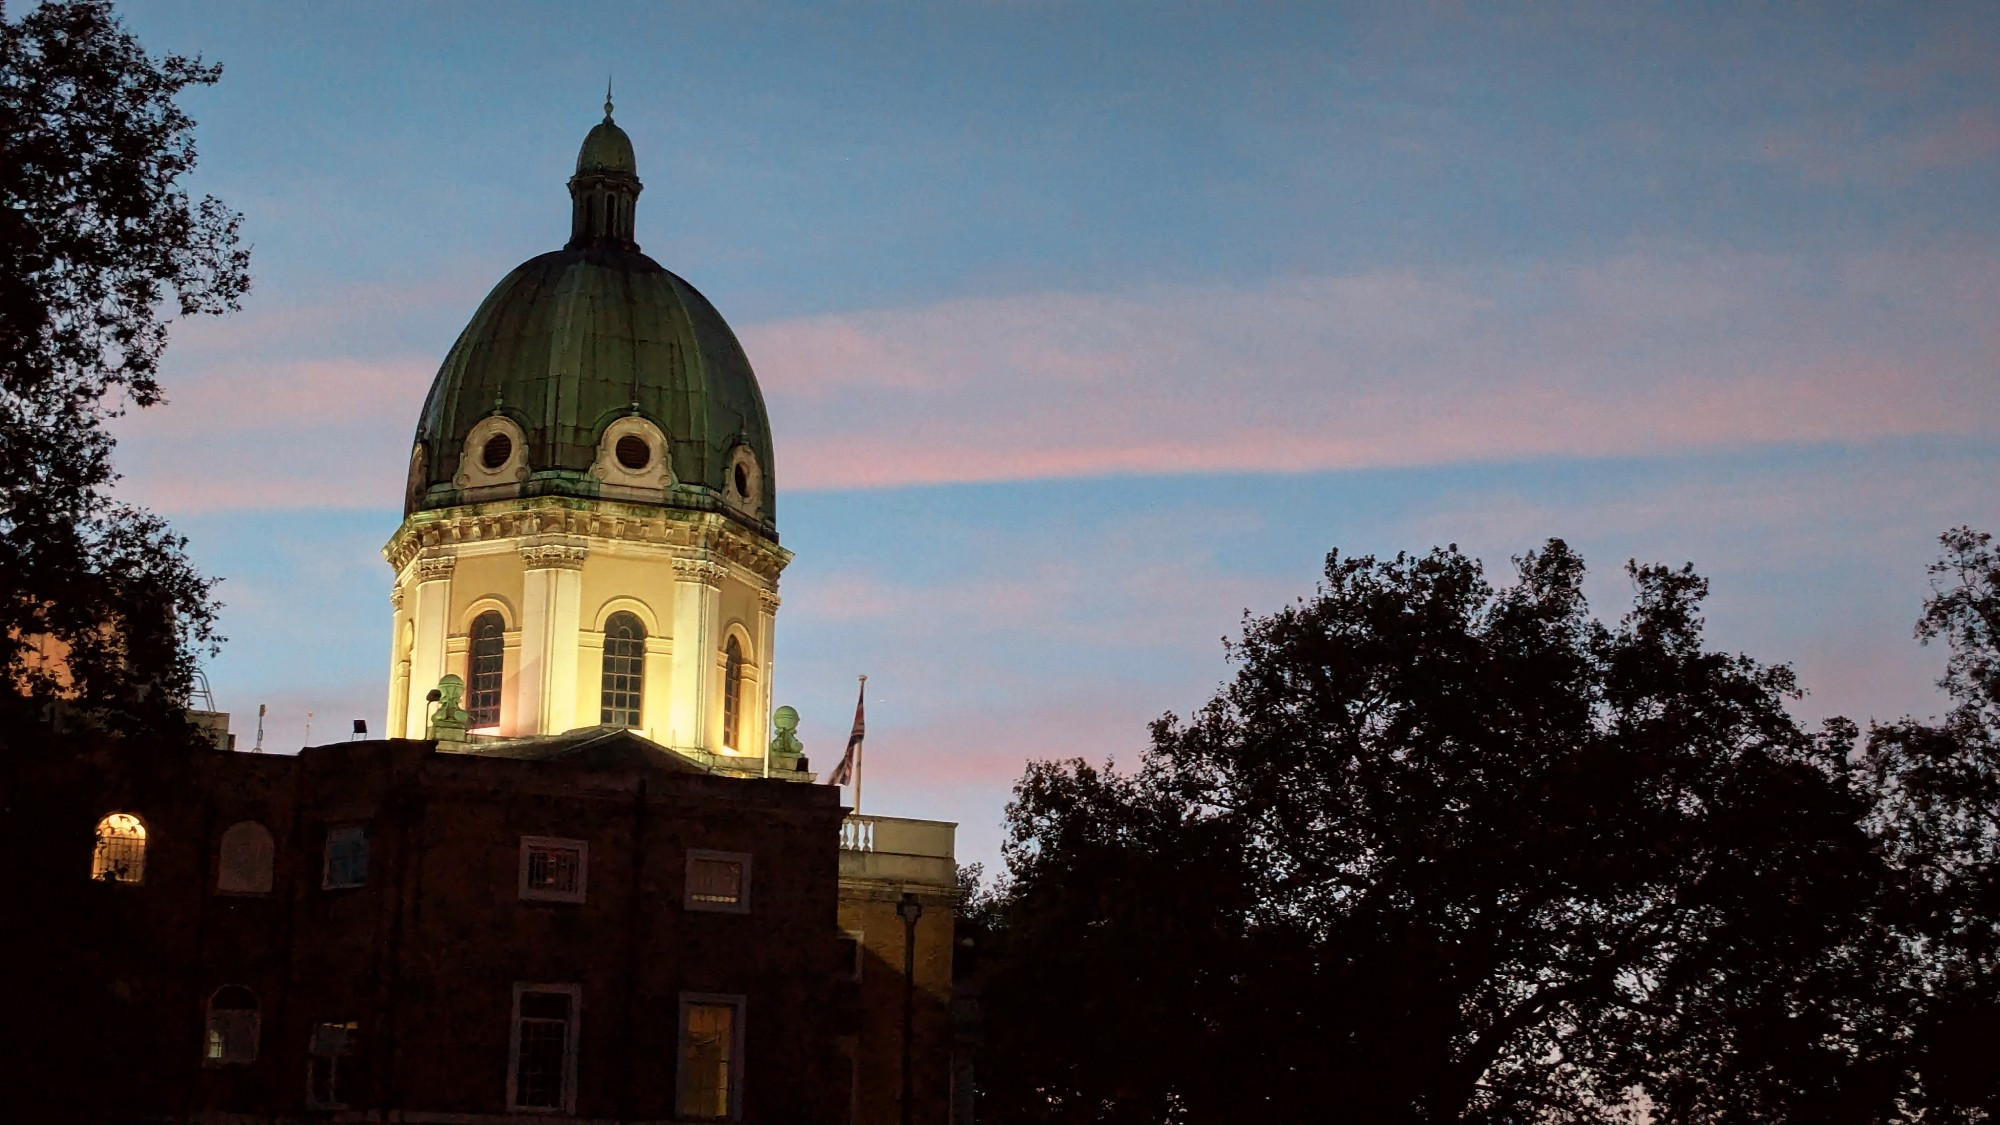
101, 615
1939, 817
1445, 852
100, 247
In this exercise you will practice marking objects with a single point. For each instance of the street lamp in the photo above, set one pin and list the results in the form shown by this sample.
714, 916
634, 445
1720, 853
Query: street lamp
911, 910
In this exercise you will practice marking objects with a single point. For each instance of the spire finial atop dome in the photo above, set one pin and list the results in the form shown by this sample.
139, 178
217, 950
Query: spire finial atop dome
607, 97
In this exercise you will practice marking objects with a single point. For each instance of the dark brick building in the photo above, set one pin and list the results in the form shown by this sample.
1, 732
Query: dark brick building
583, 927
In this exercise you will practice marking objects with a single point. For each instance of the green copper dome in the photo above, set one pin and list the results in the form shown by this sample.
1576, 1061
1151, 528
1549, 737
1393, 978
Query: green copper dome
580, 353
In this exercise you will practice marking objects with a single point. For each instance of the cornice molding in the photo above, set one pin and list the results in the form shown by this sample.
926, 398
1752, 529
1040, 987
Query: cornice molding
700, 534
769, 600
435, 568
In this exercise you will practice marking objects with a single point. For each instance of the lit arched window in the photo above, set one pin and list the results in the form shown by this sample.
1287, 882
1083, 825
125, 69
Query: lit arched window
732, 692
482, 695
121, 849
244, 867
232, 1027
624, 670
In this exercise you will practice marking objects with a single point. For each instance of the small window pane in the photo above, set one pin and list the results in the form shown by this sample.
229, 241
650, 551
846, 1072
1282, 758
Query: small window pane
545, 1005
482, 695
624, 671
553, 869
346, 857
121, 850
708, 1048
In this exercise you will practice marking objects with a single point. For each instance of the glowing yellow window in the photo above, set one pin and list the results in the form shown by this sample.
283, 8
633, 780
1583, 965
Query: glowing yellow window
710, 1062
121, 849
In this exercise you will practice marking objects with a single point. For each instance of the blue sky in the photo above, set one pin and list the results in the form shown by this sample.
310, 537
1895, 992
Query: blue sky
1086, 327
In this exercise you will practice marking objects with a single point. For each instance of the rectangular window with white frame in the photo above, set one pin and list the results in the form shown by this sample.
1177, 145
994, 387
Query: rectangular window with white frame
541, 1074
553, 870
709, 1074
718, 881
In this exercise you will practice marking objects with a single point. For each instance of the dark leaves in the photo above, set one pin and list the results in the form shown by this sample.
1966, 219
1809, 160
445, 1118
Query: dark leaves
1441, 851
100, 247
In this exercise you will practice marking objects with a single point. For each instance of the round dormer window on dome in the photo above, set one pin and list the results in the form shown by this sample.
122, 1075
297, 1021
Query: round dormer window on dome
744, 482
495, 457
632, 459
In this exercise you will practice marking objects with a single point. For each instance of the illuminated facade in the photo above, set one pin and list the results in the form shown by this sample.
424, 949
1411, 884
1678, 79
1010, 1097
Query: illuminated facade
590, 533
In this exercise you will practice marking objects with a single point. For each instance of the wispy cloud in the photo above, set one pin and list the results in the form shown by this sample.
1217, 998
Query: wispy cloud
1648, 353
1640, 354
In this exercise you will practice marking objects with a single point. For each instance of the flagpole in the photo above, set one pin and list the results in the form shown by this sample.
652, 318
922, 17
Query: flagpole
859, 751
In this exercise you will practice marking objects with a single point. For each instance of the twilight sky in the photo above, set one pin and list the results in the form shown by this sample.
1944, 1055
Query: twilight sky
1086, 327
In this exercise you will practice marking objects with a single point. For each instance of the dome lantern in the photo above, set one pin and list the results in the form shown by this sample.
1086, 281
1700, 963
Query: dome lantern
604, 192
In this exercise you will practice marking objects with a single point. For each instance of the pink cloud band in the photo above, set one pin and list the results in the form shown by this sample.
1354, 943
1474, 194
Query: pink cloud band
1646, 354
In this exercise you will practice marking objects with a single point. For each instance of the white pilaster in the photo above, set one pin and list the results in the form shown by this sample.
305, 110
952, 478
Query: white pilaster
551, 601
657, 709
767, 657
697, 613
400, 631
427, 657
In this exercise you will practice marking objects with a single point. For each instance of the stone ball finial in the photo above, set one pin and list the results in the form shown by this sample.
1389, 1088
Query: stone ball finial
786, 747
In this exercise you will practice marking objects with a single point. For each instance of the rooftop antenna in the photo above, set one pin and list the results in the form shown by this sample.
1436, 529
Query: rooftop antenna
309, 728
259, 748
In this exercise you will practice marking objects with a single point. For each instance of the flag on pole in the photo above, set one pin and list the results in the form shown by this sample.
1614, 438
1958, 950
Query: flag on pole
849, 768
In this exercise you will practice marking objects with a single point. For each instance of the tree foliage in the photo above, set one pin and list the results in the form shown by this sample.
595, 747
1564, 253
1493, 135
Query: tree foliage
1441, 851
1938, 813
101, 247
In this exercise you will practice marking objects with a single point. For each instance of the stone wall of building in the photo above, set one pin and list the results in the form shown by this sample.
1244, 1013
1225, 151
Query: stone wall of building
884, 859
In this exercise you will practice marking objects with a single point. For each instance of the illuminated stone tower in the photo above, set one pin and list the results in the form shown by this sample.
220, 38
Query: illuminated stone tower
589, 533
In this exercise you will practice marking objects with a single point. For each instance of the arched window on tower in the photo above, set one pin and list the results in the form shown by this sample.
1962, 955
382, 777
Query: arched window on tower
732, 693
624, 670
489, 656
